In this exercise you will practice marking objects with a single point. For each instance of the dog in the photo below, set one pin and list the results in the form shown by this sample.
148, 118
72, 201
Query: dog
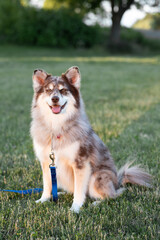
84, 164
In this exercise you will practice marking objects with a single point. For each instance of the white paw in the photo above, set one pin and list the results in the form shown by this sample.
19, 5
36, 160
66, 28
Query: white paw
75, 208
43, 199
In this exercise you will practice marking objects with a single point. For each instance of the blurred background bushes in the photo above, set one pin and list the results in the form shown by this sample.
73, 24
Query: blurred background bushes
62, 28
52, 28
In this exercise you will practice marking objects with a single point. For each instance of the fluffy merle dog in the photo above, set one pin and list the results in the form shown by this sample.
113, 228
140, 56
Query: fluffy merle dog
84, 164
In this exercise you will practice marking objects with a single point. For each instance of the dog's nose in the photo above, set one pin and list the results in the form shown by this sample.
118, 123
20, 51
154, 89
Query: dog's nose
55, 99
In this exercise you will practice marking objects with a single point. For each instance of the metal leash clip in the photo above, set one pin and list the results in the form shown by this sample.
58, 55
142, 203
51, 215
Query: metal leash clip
52, 157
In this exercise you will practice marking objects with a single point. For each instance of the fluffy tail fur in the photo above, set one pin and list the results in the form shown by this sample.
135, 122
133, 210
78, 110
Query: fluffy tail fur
134, 175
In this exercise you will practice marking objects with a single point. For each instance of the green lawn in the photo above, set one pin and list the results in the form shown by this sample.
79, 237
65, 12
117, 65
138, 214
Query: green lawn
122, 98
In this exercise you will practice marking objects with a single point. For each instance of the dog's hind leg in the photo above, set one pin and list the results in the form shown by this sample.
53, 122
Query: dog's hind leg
116, 194
103, 184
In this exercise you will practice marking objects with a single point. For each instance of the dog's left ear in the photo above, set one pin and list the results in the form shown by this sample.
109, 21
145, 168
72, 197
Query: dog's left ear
73, 75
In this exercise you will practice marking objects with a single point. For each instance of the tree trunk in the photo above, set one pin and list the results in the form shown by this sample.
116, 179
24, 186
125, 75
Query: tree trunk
115, 29
123, 6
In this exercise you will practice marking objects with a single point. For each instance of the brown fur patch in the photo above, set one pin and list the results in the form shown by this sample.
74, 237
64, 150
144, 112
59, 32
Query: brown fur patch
86, 150
38, 93
79, 163
84, 153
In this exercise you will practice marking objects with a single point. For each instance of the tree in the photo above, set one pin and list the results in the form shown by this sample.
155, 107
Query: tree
118, 8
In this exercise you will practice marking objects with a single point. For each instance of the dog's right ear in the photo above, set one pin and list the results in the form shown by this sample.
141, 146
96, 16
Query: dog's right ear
39, 77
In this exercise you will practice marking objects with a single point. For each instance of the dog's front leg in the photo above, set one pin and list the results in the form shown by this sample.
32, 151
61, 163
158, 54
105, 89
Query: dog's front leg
47, 184
81, 180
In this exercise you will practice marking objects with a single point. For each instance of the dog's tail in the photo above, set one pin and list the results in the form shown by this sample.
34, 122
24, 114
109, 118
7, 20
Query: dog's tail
134, 175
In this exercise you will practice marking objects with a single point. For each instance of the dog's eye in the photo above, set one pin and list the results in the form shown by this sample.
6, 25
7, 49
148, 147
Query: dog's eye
63, 91
48, 90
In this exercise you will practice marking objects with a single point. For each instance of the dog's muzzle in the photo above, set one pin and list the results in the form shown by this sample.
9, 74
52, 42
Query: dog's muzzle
56, 109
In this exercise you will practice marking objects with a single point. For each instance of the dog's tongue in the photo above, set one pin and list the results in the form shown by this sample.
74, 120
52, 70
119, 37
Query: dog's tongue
56, 109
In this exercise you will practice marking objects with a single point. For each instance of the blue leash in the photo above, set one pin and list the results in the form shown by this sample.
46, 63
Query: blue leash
28, 191
54, 183
38, 190
53, 176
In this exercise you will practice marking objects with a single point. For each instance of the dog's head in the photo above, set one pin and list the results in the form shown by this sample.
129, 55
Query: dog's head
59, 93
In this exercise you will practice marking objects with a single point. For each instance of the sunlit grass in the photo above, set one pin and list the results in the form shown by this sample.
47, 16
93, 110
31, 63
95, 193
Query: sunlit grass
151, 60
122, 99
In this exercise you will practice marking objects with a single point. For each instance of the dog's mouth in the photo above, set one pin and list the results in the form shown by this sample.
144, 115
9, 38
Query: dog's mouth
57, 108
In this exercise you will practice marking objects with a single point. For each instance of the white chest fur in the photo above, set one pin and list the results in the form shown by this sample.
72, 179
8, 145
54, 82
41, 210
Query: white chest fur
67, 154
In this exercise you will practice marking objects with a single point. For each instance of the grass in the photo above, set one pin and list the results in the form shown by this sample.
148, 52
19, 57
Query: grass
122, 98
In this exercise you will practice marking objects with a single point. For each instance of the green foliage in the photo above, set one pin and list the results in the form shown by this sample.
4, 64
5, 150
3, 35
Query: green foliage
137, 42
122, 99
132, 41
61, 28
156, 22
9, 15
82, 6
53, 4
118, 8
